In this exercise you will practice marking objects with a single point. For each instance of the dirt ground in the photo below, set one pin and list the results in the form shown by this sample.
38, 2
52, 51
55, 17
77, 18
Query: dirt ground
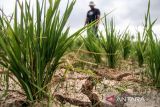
110, 86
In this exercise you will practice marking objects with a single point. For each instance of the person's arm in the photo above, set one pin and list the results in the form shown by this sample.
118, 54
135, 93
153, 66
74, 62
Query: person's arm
98, 17
86, 21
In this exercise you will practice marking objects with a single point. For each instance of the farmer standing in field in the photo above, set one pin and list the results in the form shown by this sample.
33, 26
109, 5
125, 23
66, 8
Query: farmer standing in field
93, 15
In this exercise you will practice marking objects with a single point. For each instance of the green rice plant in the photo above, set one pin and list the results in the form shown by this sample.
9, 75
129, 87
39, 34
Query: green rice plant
154, 59
140, 49
93, 45
153, 49
34, 44
111, 43
143, 39
142, 42
78, 42
126, 45
0, 24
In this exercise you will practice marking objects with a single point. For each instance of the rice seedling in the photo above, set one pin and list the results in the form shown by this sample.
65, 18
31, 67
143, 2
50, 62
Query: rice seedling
34, 45
126, 45
142, 43
140, 49
4, 78
78, 42
92, 44
111, 43
153, 49
153, 60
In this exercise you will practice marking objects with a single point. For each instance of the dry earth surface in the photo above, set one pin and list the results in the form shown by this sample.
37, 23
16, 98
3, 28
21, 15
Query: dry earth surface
108, 82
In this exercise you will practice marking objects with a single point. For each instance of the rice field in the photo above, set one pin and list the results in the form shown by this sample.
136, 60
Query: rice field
43, 65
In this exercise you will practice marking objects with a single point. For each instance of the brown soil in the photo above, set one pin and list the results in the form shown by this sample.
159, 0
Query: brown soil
85, 90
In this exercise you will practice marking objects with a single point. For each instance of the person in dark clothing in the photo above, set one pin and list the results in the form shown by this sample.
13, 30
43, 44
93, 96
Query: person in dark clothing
93, 15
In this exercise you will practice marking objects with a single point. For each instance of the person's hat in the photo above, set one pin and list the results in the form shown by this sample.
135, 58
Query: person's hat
91, 3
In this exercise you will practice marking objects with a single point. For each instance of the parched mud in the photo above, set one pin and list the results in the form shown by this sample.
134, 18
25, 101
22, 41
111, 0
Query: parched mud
121, 87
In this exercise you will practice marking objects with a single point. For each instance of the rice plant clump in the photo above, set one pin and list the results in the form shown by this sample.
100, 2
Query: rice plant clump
110, 43
153, 49
126, 45
140, 49
153, 61
34, 44
92, 44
